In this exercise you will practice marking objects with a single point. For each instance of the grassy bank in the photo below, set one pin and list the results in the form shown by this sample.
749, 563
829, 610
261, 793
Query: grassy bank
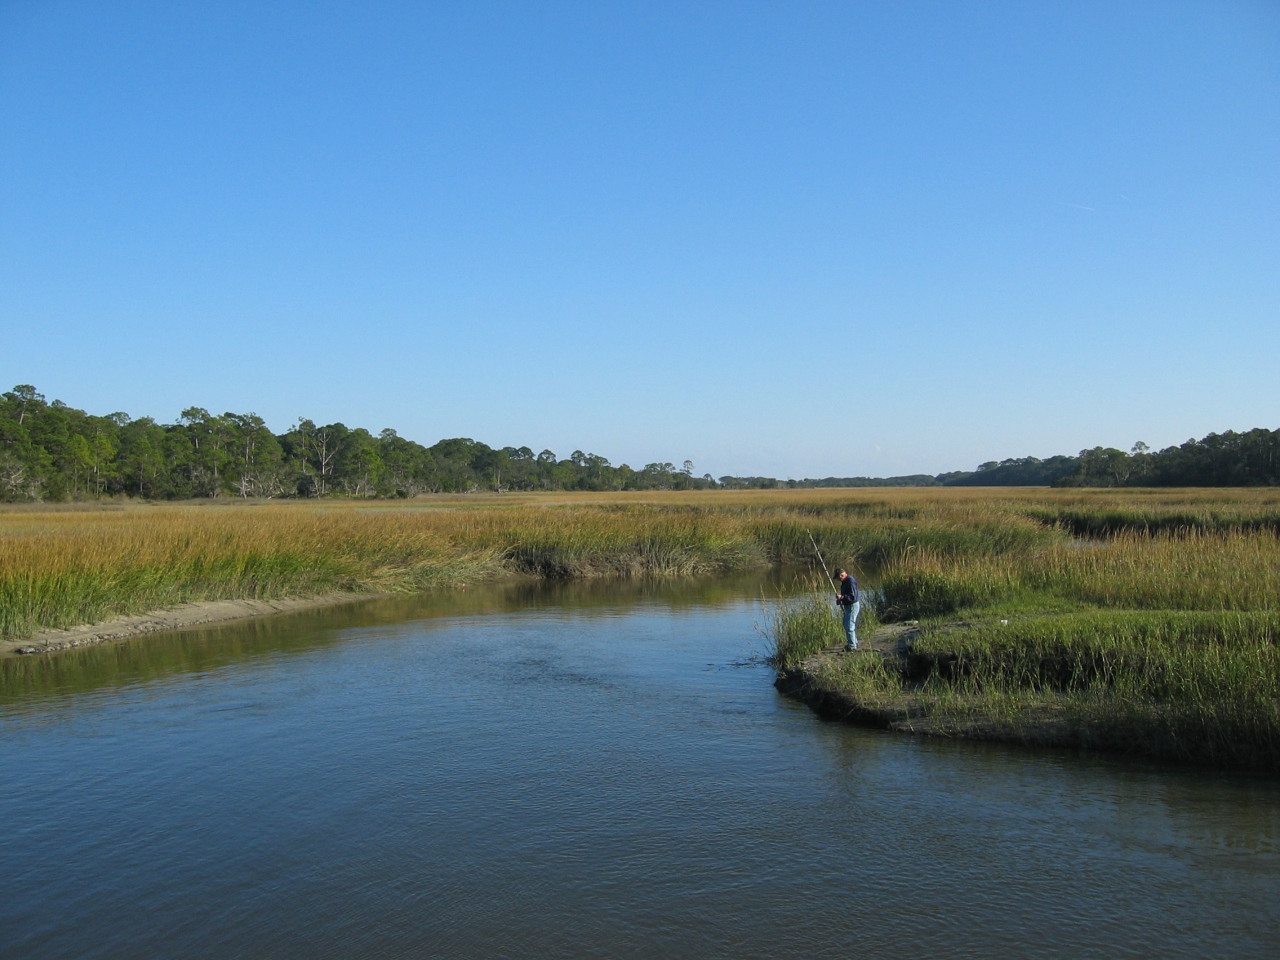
63, 568
1151, 638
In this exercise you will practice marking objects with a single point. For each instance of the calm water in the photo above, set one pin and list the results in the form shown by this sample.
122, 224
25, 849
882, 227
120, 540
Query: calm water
589, 772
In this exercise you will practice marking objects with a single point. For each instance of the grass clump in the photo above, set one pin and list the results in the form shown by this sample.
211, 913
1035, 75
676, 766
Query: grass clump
800, 627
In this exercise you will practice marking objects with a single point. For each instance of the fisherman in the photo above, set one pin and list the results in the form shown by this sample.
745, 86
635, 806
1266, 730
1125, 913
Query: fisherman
850, 603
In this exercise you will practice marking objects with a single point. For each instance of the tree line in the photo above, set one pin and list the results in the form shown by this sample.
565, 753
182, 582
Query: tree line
1230, 459
51, 451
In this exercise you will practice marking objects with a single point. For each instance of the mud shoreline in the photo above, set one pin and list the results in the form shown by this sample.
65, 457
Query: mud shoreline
167, 620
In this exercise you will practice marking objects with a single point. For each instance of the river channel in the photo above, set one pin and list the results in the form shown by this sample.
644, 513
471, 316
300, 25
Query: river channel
574, 771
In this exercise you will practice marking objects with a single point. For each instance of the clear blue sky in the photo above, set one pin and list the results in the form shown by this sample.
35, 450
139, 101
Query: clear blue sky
791, 239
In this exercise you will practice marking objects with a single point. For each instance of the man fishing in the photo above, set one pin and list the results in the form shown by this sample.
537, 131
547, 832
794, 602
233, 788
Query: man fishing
850, 602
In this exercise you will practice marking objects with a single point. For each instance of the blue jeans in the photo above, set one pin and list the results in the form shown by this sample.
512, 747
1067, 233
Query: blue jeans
850, 614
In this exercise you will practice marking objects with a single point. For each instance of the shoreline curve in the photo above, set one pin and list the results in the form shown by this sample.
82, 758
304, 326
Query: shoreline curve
186, 616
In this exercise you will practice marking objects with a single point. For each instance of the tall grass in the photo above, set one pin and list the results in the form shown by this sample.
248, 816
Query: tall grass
1230, 571
59, 568
799, 627
74, 568
1192, 686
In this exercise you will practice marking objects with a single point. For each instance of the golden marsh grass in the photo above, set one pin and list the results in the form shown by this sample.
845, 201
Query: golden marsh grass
941, 550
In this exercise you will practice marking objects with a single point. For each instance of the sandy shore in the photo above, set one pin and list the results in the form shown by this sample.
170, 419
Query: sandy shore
183, 617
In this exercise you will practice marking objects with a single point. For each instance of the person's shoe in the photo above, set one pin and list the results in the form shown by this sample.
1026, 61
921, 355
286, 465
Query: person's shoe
851, 648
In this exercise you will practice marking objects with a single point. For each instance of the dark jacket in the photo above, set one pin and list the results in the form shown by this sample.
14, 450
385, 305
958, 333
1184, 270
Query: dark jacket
848, 591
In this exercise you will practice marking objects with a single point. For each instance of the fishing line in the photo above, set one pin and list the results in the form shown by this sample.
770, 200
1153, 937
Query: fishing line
821, 561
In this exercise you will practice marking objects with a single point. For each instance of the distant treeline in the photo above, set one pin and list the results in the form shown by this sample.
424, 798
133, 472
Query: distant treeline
1228, 459
51, 451
772, 483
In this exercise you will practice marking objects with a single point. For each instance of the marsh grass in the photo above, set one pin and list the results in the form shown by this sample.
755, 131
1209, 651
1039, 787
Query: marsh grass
78, 568
800, 627
1200, 687
60, 568
1193, 571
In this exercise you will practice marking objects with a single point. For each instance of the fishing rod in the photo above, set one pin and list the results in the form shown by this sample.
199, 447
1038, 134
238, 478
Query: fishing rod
821, 561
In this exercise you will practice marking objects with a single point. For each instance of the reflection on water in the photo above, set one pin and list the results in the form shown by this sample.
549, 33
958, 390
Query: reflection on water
587, 770
207, 648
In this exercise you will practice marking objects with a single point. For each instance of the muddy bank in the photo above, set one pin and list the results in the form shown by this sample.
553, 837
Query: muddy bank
182, 617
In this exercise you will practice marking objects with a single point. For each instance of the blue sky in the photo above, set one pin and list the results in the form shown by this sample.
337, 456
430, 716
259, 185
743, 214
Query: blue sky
790, 239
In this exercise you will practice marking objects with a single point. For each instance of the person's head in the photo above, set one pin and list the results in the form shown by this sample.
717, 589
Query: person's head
840, 572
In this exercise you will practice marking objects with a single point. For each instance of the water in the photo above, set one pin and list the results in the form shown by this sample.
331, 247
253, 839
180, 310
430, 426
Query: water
575, 772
